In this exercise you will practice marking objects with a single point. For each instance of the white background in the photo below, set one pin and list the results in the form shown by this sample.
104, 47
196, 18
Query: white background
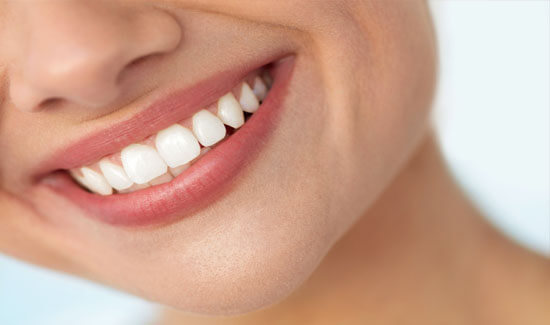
492, 114
493, 109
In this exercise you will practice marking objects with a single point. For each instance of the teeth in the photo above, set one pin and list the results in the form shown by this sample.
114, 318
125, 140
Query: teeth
95, 181
177, 145
178, 170
115, 175
79, 178
208, 128
161, 179
176, 148
230, 111
142, 163
248, 100
134, 188
260, 89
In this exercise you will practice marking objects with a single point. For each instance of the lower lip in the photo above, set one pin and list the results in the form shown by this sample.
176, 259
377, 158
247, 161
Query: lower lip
201, 184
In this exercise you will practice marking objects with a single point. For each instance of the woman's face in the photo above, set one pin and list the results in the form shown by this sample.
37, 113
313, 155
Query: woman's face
87, 86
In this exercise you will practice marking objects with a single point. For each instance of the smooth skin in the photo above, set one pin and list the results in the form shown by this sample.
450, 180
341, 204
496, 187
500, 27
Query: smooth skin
349, 215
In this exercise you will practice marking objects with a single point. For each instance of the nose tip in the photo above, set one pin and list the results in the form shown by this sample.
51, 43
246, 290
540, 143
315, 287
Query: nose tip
78, 53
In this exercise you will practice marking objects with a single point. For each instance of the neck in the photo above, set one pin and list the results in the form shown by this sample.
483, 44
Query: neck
422, 252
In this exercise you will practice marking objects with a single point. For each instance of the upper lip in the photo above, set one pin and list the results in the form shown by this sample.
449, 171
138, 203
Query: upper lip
161, 113
203, 182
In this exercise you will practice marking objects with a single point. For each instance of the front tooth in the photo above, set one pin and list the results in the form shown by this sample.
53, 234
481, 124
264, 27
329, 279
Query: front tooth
208, 128
115, 175
142, 163
177, 145
260, 89
248, 100
96, 182
230, 111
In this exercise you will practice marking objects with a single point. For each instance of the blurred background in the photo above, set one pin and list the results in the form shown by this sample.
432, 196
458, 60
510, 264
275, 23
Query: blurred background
492, 113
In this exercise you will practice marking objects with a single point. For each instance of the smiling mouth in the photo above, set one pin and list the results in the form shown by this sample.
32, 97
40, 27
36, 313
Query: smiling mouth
194, 143
168, 153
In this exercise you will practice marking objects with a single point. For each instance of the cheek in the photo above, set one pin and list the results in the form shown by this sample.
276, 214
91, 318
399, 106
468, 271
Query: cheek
380, 100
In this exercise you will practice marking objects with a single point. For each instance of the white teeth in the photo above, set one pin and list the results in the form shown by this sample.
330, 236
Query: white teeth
96, 182
177, 145
178, 170
115, 175
161, 179
230, 111
260, 89
142, 163
79, 178
135, 187
175, 148
248, 100
208, 128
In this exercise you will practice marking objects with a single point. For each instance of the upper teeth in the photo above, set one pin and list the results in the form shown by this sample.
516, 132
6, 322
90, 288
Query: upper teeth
115, 175
249, 102
260, 89
173, 149
208, 128
142, 163
177, 145
230, 111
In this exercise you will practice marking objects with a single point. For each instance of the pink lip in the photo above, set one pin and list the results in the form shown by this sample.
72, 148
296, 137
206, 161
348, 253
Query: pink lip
199, 185
159, 115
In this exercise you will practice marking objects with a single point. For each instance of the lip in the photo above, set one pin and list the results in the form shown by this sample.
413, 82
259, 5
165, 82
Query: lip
160, 114
196, 187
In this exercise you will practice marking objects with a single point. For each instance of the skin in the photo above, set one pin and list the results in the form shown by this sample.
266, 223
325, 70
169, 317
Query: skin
367, 225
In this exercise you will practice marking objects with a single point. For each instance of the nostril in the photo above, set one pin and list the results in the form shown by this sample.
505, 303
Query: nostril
49, 102
98, 51
140, 60
137, 61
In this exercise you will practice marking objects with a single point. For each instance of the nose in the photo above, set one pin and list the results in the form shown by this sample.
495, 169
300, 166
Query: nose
76, 51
